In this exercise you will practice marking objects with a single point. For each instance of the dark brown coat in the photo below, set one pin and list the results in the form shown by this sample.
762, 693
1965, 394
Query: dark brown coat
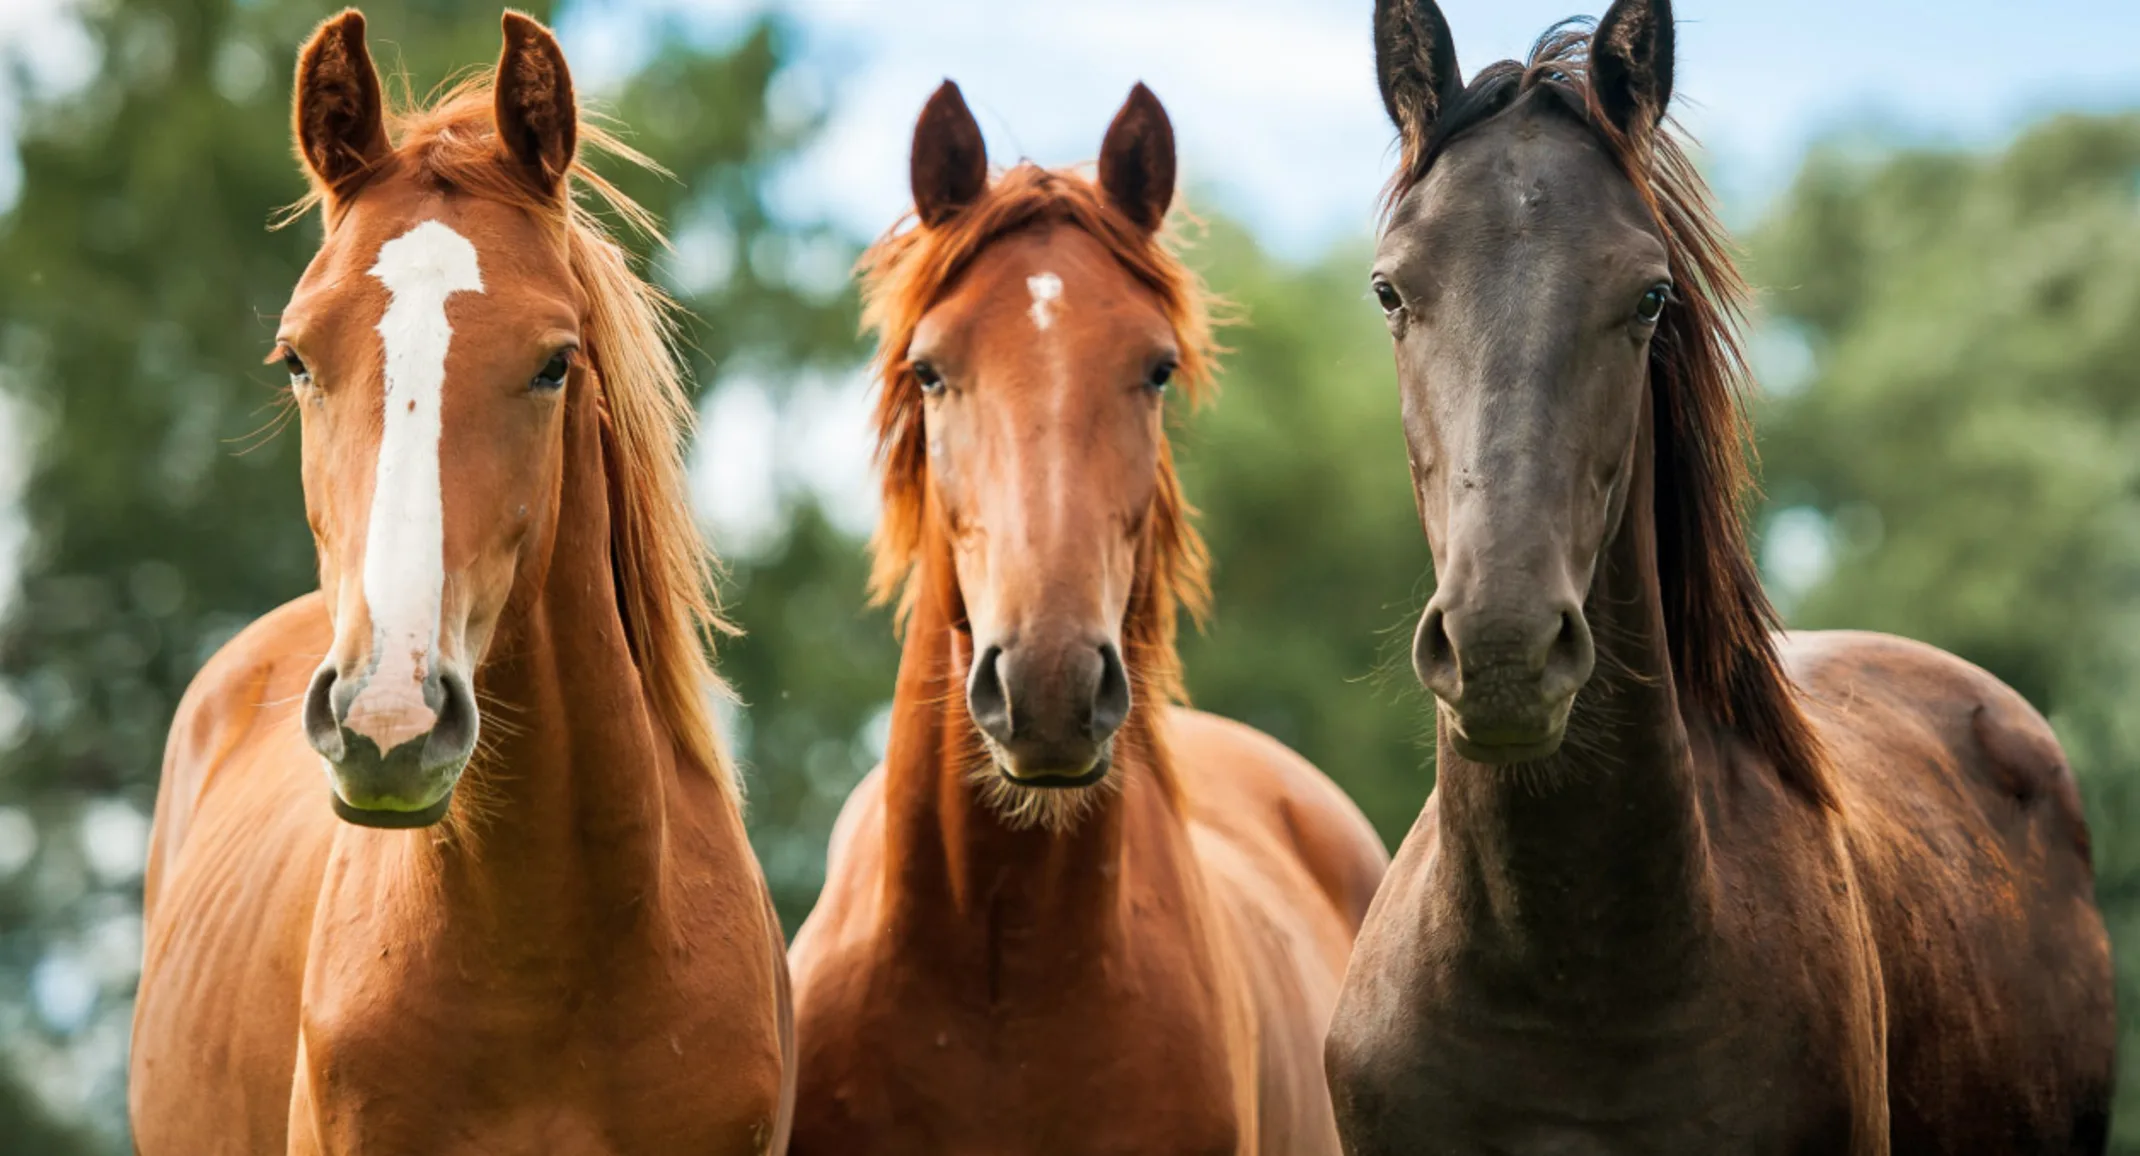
1683, 886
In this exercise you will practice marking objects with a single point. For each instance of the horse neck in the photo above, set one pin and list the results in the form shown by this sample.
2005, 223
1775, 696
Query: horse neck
562, 822
955, 869
1589, 870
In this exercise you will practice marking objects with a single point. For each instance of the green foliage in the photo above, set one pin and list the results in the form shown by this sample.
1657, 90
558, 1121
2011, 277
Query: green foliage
815, 669
765, 292
1320, 567
1970, 432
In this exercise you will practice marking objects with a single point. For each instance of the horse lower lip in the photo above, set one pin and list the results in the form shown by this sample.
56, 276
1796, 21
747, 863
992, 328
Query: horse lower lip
1507, 746
390, 819
1059, 779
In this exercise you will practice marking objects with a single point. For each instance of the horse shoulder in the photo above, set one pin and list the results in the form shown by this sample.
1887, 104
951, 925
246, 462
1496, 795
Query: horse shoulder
864, 806
240, 838
1294, 865
1243, 782
842, 916
238, 692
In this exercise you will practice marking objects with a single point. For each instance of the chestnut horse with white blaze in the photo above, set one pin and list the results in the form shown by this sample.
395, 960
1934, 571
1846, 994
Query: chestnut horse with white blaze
1683, 886
1066, 915
519, 914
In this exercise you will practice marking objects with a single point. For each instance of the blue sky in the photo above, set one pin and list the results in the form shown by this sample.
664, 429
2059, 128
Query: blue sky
1274, 100
1275, 105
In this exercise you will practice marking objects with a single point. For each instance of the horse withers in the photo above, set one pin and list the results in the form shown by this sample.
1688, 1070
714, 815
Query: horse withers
1066, 916
518, 912
1683, 886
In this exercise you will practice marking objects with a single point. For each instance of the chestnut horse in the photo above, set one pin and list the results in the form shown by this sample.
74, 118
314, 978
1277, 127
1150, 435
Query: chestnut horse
1065, 915
574, 951
1683, 886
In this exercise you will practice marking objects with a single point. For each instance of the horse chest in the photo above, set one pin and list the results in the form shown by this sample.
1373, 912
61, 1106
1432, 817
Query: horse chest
1544, 1105
1421, 1065
489, 1100
493, 1071
565, 1128
912, 1063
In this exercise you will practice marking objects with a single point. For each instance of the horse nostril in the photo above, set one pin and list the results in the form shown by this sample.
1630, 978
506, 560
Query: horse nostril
986, 699
1569, 657
1433, 655
322, 729
453, 736
1110, 699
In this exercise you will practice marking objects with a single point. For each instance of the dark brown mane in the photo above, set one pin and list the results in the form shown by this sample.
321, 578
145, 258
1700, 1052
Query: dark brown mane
909, 269
1718, 619
664, 570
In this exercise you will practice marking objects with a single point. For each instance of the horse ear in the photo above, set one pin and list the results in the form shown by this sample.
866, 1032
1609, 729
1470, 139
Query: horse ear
340, 120
538, 119
1415, 62
1631, 63
1137, 160
949, 165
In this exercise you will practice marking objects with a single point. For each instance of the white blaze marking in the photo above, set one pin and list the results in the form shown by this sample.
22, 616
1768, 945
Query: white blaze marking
405, 542
1046, 289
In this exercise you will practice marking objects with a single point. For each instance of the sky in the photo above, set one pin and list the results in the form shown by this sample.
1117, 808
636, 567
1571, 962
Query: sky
1275, 105
1274, 101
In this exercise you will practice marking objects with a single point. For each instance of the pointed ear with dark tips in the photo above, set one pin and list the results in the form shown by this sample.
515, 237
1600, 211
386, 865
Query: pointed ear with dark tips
538, 118
949, 165
1631, 63
339, 122
1137, 160
1415, 63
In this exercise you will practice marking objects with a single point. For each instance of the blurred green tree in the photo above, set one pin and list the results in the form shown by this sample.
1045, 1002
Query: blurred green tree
1320, 569
1952, 446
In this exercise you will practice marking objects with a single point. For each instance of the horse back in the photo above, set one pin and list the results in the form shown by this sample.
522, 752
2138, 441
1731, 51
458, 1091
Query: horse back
235, 858
1250, 787
1292, 865
1968, 841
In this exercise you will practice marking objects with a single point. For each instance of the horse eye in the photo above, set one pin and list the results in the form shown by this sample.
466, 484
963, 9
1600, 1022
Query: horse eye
299, 375
1162, 373
553, 371
1386, 293
1651, 307
931, 381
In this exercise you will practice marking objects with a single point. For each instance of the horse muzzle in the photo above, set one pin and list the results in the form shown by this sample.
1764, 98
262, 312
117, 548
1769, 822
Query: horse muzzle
1506, 682
1049, 714
392, 759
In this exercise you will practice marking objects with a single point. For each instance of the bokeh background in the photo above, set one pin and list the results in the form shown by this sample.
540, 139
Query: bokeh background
1941, 207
